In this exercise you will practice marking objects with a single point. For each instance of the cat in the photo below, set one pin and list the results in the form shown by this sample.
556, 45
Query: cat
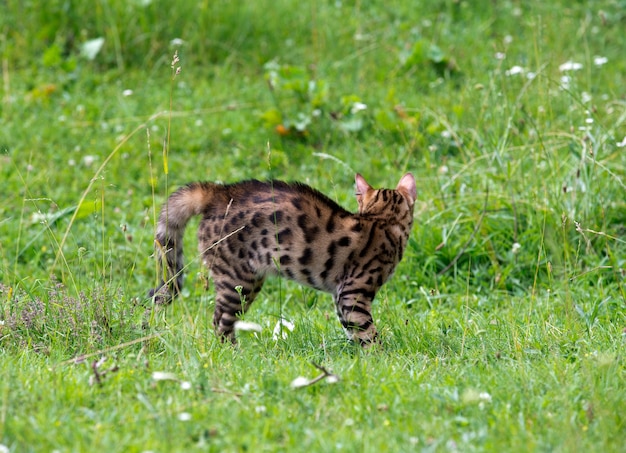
252, 229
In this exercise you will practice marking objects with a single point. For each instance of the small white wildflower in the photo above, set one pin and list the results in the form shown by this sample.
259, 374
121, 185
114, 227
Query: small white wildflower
298, 382
245, 326
508, 39
39, 217
4, 448
357, 107
565, 81
127, 93
184, 416
484, 396
446, 134
622, 143
281, 328
71, 163
514, 70
185, 385
88, 160
164, 376
585, 97
515, 248
332, 379
260, 409
90, 49
570, 66
177, 42
500, 55
530, 75
599, 61
589, 120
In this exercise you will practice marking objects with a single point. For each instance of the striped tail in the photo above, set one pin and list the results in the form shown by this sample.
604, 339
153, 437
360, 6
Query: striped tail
186, 202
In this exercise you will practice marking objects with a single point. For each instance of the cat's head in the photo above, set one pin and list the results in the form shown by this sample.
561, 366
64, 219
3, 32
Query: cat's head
376, 200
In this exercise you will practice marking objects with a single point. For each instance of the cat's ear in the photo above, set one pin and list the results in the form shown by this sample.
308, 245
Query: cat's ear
362, 188
407, 187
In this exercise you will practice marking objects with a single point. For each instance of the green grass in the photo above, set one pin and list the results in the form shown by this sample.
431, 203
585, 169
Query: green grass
503, 327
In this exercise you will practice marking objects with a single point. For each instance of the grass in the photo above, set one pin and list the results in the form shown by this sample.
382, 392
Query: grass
503, 328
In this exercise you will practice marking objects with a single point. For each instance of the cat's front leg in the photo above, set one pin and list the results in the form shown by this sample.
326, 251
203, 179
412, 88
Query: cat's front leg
354, 311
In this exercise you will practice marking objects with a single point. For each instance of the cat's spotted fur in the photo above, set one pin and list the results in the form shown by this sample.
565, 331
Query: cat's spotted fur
251, 229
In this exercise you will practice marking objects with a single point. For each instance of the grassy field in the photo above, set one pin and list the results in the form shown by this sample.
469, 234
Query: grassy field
503, 329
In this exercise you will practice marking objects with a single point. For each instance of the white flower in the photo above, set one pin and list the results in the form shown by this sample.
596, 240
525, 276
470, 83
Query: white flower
357, 107
298, 382
88, 160
565, 80
245, 326
332, 379
127, 93
599, 61
281, 328
164, 376
515, 248
500, 55
4, 448
530, 75
515, 70
622, 143
185, 385
184, 416
570, 66
176, 42
91, 48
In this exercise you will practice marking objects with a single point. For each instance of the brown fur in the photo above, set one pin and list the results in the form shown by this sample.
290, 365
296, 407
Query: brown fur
252, 229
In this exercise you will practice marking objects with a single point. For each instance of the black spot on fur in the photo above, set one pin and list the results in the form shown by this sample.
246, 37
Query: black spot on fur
307, 257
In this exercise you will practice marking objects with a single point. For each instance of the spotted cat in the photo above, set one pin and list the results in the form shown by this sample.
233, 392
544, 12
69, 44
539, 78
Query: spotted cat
252, 229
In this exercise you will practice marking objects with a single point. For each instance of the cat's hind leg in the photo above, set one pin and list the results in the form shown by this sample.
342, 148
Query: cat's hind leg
232, 299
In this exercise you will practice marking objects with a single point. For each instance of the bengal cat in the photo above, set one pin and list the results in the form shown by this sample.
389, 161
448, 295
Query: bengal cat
252, 229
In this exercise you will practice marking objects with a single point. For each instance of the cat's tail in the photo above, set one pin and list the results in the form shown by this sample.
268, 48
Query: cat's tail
182, 205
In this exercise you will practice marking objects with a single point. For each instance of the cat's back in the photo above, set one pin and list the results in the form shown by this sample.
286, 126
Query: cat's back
254, 193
